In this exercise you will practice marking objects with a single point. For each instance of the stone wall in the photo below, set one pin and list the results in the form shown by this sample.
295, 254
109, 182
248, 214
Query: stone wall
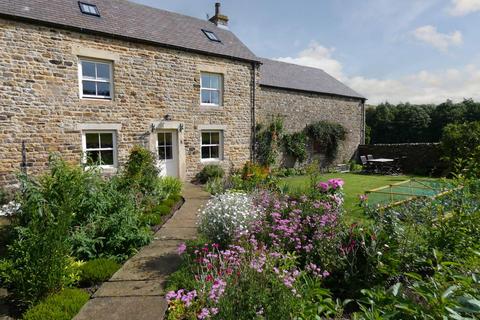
298, 109
420, 158
40, 104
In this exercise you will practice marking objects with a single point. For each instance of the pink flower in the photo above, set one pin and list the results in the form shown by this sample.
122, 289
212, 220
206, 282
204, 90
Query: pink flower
323, 185
181, 248
336, 183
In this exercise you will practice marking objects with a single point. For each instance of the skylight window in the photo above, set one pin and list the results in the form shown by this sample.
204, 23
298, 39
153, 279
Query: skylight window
212, 36
89, 9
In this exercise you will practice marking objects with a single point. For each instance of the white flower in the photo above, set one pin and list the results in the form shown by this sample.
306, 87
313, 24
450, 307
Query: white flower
227, 215
9, 209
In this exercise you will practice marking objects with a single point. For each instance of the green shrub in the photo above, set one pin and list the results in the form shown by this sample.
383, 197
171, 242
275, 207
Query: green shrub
98, 270
168, 202
61, 306
3, 197
151, 219
171, 186
140, 171
39, 252
268, 142
460, 142
215, 186
176, 198
162, 210
209, 172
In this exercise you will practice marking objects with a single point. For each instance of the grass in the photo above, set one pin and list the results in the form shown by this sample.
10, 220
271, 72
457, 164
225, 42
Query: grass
355, 185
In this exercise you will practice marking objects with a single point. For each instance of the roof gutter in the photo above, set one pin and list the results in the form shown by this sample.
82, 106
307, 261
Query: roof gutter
119, 37
316, 92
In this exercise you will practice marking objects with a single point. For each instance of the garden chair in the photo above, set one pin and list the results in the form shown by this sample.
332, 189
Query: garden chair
367, 168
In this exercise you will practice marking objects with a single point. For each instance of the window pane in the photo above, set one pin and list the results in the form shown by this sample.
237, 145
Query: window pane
168, 139
107, 157
92, 157
206, 96
214, 152
88, 69
214, 82
103, 71
161, 153
168, 153
92, 140
161, 139
103, 89
205, 137
205, 152
106, 140
205, 80
215, 97
215, 136
89, 88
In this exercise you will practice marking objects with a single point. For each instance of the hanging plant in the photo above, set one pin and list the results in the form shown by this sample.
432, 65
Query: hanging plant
326, 136
295, 145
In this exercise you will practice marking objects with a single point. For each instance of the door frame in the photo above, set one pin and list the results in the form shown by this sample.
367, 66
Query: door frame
178, 127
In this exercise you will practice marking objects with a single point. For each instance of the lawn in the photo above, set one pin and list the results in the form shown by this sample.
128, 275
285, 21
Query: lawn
355, 185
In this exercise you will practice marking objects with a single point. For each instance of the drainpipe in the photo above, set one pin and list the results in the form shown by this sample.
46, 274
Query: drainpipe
364, 126
254, 86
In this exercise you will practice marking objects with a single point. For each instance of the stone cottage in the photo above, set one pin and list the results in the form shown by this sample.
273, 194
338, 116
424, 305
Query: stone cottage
90, 79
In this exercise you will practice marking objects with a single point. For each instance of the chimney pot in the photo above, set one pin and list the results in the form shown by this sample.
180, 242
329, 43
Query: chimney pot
219, 19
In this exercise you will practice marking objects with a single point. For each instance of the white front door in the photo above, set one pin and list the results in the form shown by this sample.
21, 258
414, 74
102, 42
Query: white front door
167, 151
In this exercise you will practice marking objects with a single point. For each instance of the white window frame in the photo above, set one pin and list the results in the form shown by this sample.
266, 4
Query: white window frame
114, 147
219, 89
81, 78
220, 145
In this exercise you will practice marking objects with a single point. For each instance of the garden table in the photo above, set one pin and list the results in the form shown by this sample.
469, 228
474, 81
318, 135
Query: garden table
381, 165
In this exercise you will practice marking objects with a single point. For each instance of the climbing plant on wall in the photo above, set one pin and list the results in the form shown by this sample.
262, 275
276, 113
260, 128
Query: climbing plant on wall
326, 136
295, 145
268, 142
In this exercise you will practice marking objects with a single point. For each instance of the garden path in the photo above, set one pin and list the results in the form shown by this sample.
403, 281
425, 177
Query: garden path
136, 291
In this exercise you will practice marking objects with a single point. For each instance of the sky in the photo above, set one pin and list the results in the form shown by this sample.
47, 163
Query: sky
418, 51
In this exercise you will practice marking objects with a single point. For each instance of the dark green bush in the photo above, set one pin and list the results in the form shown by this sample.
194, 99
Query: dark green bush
209, 172
328, 136
460, 142
268, 142
61, 306
98, 270
176, 198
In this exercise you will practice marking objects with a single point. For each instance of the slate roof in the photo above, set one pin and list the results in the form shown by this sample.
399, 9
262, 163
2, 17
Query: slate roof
126, 19
291, 76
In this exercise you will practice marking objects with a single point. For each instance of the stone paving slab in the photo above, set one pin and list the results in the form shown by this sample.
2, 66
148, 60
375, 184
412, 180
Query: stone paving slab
153, 267
144, 288
135, 292
124, 308
177, 233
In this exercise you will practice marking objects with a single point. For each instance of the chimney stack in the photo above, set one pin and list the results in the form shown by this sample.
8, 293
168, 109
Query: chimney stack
219, 19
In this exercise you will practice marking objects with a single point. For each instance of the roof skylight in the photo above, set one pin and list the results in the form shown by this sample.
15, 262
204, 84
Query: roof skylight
212, 36
89, 9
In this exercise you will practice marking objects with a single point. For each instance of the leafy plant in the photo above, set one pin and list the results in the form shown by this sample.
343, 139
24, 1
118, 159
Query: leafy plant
461, 141
326, 135
295, 145
61, 306
268, 142
215, 186
210, 171
98, 270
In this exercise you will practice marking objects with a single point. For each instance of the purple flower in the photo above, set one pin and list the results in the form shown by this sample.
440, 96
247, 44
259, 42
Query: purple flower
323, 186
203, 314
336, 183
181, 248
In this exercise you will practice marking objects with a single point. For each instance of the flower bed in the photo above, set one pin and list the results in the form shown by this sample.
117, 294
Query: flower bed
296, 258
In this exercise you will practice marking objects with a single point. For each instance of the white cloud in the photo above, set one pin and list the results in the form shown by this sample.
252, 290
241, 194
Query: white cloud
464, 7
421, 87
441, 41
317, 56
